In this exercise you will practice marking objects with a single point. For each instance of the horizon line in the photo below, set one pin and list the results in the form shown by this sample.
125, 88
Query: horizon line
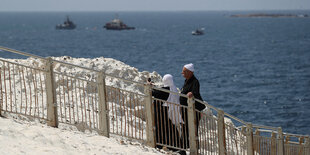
154, 10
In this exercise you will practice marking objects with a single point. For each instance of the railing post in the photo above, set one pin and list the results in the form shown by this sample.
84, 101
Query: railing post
249, 139
1, 89
221, 132
52, 116
257, 142
280, 148
301, 145
307, 145
193, 138
150, 124
104, 124
273, 144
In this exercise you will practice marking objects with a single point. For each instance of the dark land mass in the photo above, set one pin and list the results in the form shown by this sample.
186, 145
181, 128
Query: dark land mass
271, 15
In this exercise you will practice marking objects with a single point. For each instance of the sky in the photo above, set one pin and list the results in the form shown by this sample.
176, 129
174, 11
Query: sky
151, 5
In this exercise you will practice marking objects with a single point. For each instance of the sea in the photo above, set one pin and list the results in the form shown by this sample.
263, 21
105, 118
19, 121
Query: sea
256, 69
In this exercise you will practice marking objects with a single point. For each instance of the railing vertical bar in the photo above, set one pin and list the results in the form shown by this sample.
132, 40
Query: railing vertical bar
113, 107
14, 80
117, 102
25, 90
64, 98
97, 107
1, 91
11, 104
30, 93
36, 94
135, 114
160, 123
168, 126
88, 104
84, 102
80, 94
112, 94
176, 120
60, 98
210, 135
165, 124
172, 125
72, 99
120, 109
202, 142
6, 93
41, 85
236, 141
157, 129
76, 101
34, 91
130, 105
180, 129
207, 136
183, 139
68, 95
126, 113
228, 138
93, 107
21, 90
140, 129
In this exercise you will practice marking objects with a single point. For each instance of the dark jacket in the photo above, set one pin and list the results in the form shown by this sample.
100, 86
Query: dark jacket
165, 131
192, 85
160, 94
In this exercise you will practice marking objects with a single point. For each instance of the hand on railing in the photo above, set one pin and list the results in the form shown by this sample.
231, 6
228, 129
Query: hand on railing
190, 94
150, 82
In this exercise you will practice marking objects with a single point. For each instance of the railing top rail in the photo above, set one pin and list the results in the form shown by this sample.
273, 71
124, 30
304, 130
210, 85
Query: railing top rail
235, 118
20, 52
265, 127
295, 135
267, 130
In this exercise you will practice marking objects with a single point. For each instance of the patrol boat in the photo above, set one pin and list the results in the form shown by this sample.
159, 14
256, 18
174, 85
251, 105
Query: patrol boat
198, 32
67, 25
117, 24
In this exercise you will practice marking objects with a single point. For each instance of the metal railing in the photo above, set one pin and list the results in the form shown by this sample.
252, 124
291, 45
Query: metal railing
46, 91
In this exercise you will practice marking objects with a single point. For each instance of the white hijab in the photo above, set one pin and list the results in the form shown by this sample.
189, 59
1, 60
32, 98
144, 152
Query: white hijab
174, 110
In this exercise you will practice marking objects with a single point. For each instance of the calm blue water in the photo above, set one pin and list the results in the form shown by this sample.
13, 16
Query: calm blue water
257, 69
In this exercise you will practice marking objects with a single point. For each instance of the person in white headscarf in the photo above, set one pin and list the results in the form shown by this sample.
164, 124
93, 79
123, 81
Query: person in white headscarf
168, 119
173, 101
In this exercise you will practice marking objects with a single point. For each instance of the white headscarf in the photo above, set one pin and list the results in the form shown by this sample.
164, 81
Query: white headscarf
174, 110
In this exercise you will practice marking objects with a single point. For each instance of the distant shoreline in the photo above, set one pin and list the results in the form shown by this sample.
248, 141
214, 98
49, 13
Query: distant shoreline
271, 15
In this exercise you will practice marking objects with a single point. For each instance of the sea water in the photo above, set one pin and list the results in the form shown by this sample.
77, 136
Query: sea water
257, 69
